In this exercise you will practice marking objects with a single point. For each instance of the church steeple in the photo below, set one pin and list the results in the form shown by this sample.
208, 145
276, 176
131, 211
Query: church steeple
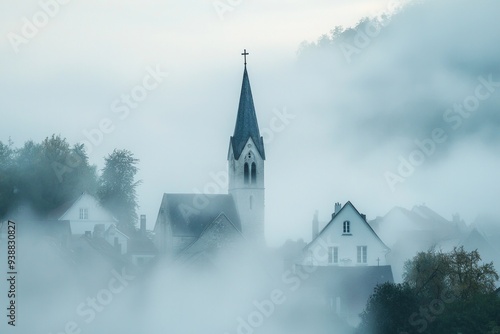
246, 158
246, 122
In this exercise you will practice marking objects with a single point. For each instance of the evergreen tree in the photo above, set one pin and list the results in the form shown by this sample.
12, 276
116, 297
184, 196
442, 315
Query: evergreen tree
117, 188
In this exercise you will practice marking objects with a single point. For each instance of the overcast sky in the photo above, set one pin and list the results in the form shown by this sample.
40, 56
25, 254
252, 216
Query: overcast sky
356, 107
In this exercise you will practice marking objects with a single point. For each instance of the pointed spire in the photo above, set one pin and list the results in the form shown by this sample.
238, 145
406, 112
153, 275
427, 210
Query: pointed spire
246, 122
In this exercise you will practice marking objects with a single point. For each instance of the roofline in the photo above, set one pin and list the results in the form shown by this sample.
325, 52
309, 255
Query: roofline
116, 228
78, 198
333, 218
72, 203
209, 225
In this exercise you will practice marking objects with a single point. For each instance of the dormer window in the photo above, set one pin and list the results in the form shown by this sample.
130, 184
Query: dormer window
84, 213
347, 227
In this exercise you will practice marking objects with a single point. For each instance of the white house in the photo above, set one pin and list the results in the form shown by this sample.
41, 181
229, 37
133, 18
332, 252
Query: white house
347, 240
347, 260
83, 214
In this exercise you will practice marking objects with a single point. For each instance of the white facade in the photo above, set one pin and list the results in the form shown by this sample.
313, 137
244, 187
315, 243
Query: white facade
85, 213
246, 185
347, 240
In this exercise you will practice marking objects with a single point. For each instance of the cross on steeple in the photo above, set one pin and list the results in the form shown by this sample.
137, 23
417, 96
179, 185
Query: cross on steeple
245, 54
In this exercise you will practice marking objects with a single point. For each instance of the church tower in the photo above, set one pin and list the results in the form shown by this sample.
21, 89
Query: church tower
246, 165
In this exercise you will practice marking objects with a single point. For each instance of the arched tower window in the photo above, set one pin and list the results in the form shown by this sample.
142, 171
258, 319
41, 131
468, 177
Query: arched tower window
254, 173
251, 202
246, 173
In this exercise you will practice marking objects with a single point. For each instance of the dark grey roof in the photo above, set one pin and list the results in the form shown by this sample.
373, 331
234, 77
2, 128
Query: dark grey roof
218, 234
246, 122
141, 244
190, 214
101, 247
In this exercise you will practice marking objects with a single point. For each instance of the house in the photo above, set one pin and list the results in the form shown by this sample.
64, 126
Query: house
346, 261
93, 230
83, 214
347, 240
185, 218
408, 232
141, 249
181, 223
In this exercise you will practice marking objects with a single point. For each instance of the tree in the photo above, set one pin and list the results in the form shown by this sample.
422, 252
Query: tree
117, 188
7, 184
426, 273
460, 272
388, 309
44, 175
442, 293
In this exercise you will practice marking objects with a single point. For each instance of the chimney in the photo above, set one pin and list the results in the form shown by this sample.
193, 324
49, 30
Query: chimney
363, 216
143, 224
338, 206
315, 225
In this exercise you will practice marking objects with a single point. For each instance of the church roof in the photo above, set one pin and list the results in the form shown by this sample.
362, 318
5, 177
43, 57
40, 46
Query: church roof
220, 233
190, 214
246, 122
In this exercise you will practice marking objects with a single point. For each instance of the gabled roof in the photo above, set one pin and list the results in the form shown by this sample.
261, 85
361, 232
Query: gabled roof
333, 220
246, 122
190, 214
113, 229
59, 212
475, 240
218, 234
106, 250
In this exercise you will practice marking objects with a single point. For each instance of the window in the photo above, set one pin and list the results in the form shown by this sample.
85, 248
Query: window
246, 173
84, 213
362, 254
333, 255
347, 227
254, 173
